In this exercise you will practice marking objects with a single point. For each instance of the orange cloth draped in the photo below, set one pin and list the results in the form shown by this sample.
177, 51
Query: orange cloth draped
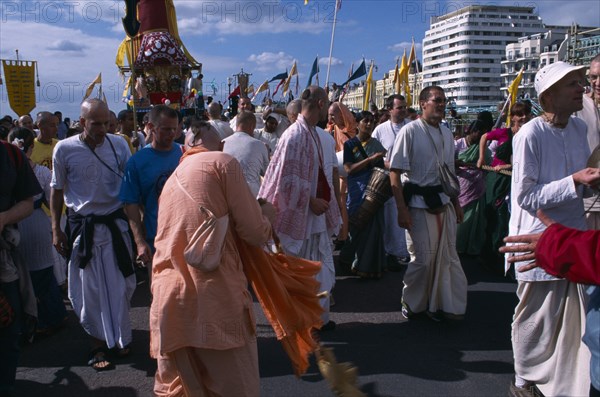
348, 131
191, 151
287, 291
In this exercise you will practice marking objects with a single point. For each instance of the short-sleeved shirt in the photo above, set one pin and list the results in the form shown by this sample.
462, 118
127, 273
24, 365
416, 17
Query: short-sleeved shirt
42, 152
415, 155
90, 182
145, 175
252, 154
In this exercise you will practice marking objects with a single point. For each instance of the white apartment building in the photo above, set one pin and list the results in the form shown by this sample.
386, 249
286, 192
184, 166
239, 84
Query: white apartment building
463, 50
532, 53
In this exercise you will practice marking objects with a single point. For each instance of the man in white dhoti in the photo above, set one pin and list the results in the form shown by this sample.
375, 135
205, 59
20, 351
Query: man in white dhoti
299, 182
86, 176
549, 157
434, 282
394, 237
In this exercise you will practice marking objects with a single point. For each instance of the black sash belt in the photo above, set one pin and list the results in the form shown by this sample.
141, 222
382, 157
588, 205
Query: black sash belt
84, 225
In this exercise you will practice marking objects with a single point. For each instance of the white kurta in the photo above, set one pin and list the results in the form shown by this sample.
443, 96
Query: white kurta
434, 280
544, 159
394, 237
99, 293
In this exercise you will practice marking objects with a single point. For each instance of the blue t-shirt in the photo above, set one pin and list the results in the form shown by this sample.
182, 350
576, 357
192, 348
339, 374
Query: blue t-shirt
145, 175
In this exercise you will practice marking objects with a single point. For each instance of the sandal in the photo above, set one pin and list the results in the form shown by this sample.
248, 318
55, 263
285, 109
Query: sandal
122, 352
99, 361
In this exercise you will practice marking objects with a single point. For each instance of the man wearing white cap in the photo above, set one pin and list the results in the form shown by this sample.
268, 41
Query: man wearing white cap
549, 157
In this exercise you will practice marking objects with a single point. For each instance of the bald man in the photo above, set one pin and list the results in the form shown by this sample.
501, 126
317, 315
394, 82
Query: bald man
300, 183
46, 141
86, 176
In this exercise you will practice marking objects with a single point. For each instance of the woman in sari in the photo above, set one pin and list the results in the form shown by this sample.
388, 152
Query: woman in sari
470, 234
361, 154
498, 185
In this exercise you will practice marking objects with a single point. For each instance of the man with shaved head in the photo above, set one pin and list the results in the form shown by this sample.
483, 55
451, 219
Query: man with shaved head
300, 182
214, 116
26, 121
252, 154
46, 141
86, 176
202, 330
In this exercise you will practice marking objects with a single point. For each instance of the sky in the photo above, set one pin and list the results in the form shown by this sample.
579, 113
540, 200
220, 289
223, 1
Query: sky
74, 40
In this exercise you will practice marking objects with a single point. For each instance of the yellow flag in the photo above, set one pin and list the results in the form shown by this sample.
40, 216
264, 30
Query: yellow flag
88, 91
513, 90
262, 88
20, 85
403, 71
286, 85
368, 86
396, 77
413, 55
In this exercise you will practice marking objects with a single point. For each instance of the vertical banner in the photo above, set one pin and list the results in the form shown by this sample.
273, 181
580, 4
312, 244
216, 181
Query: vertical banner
20, 85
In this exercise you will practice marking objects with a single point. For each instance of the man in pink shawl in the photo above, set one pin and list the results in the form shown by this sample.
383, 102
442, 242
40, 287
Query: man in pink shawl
299, 183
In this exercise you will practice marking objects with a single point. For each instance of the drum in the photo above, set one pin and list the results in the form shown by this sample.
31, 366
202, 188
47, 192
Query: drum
378, 191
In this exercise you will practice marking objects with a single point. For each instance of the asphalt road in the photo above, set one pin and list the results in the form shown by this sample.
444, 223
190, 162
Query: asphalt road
395, 357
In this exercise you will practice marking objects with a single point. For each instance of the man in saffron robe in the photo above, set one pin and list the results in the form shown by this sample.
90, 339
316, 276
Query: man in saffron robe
202, 326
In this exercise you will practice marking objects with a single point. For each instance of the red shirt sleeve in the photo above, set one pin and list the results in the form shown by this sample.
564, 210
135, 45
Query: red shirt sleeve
570, 253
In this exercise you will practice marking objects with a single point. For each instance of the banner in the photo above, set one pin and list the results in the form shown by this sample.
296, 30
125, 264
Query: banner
20, 85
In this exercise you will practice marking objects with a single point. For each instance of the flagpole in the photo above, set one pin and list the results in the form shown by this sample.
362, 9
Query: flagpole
331, 44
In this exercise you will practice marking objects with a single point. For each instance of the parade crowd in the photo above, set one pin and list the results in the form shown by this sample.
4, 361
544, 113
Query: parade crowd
85, 207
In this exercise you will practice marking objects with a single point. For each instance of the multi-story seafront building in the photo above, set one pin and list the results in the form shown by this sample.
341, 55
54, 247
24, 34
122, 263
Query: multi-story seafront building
463, 50
574, 44
474, 53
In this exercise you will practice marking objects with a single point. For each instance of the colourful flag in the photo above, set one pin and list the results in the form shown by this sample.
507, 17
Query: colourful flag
368, 88
20, 85
280, 76
345, 87
360, 71
513, 90
396, 78
314, 71
286, 85
277, 88
260, 89
401, 73
413, 55
235, 92
88, 91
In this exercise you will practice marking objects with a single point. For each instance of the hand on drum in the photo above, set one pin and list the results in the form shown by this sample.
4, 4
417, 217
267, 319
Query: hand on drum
377, 156
404, 219
318, 206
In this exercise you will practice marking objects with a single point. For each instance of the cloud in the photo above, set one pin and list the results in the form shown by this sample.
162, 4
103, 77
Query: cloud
63, 75
67, 45
276, 61
249, 17
334, 61
405, 45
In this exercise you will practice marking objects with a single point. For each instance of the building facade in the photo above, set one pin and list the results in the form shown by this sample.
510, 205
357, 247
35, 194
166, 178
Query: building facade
574, 44
463, 50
